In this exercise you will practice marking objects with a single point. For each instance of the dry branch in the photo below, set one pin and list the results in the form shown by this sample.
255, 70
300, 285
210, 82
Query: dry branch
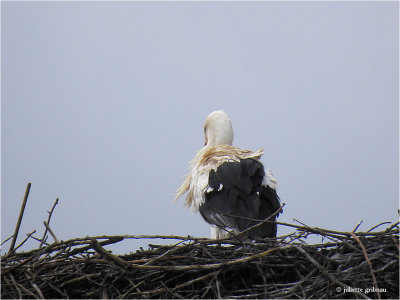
51, 232
21, 213
47, 224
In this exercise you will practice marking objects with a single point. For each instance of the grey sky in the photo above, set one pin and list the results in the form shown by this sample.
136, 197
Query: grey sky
103, 105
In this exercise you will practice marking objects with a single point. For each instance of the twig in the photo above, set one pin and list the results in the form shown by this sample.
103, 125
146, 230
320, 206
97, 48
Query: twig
7, 239
183, 284
51, 232
376, 226
26, 290
99, 249
325, 232
259, 223
170, 291
16, 286
396, 242
325, 273
320, 231
40, 240
78, 279
391, 227
48, 222
172, 249
195, 280
369, 264
58, 290
34, 285
133, 287
112, 240
23, 242
218, 289
358, 225
21, 213
263, 221
13, 268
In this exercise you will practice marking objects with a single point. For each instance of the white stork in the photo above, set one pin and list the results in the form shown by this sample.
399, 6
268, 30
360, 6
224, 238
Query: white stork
225, 181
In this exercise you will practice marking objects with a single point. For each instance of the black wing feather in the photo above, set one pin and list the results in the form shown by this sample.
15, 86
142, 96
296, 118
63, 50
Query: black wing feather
243, 195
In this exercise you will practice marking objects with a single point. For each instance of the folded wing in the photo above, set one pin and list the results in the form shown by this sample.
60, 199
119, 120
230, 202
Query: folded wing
235, 194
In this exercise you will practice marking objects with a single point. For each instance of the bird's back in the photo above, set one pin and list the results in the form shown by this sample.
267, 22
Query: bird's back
207, 159
236, 194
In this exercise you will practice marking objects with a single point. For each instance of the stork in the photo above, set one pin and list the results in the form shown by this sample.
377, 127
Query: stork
229, 186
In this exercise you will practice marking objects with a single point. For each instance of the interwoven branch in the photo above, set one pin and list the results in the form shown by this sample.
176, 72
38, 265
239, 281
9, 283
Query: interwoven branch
284, 267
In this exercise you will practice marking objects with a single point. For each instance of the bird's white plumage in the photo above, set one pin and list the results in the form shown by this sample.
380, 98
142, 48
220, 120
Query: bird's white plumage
199, 184
270, 180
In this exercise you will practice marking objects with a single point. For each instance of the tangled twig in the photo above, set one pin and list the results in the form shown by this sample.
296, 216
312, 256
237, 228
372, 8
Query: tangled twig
351, 265
201, 268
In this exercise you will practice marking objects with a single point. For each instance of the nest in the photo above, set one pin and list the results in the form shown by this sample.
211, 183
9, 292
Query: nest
348, 265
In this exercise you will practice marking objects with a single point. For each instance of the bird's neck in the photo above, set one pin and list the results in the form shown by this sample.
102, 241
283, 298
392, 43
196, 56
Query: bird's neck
220, 140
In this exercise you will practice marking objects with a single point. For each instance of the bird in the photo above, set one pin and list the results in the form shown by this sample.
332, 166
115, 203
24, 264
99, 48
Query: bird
229, 186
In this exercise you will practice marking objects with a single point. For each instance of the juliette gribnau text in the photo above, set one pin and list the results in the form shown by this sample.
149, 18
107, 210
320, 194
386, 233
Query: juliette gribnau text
362, 290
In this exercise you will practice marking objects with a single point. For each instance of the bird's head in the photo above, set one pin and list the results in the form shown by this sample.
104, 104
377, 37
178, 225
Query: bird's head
218, 129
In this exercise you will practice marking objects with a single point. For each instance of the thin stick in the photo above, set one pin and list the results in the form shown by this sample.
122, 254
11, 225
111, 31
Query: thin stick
369, 264
376, 226
22, 287
133, 287
99, 249
39, 240
181, 285
21, 213
325, 273
394, 225
51, 232
358, 225
16, 286
48, 222
34, 285
7, 239
23, 242
263, 221
172, 249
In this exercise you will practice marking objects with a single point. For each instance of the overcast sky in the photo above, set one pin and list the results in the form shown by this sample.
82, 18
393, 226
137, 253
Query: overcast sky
103, 104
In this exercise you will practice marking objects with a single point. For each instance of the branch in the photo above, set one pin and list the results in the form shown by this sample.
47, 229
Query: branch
99, 249
27, 237
21, 214
263, 221
48, 223
369, 264
51, 232
325, 273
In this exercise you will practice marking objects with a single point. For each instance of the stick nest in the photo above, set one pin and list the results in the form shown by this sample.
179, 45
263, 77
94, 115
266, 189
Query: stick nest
347, 265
